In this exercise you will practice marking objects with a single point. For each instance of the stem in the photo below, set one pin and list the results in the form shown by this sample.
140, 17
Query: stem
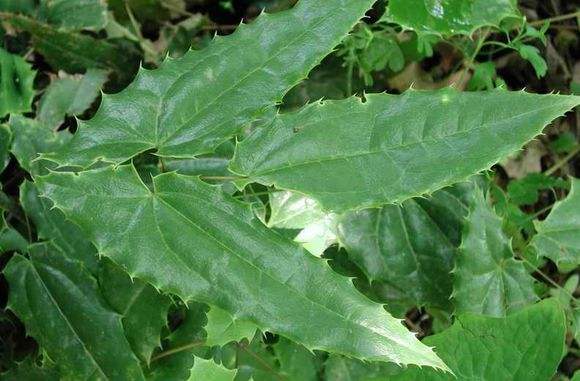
177, 350
555, 19
559, 164
469, 63
548, 279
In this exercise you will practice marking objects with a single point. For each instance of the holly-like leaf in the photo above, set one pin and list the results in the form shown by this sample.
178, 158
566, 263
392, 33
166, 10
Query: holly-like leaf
175, 360
69, 96
75, 14
527, 345
31, 138
51, 225
75, 52
5, 142
340, 368
558, 236
143, 309
352, 154
192, 104
289, 210
10, 239
296, 363
188, 238
450, 17
221, 328
409, 248
488, 280
16, 80
208, 370
59, 302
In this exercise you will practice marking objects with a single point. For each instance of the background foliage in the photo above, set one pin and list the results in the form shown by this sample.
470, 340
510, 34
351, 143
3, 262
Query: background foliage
469, 266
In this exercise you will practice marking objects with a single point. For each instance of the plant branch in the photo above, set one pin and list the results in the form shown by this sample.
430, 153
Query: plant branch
560, 163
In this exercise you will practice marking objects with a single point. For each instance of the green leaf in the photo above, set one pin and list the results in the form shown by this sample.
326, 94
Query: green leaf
30, 138
208, 370
409, 248
192, 104
10, 239
488, 280
143, 309
524, 191
450, 17
69, 96
296, 362
29, 371
532, 54
24, 6
349, 154
188, 238
558, 235
75, 52
51, 225
75, 14
221, 328
5, 142
339, 368
527, 346
176, 359
290, 210
16, 80
59, 302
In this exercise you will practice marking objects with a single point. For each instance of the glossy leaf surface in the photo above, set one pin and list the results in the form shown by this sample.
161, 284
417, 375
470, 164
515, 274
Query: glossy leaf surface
192, 104
188, 238
525, 346
410, 249
60, 304
449, 17
142, 308
351, 155
51, 225
488, 280
559, 235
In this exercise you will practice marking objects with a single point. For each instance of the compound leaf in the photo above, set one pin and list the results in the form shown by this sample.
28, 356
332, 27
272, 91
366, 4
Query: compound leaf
558, 235
192, 104
189, 239
16, 80
449, 17
60, 304
488, 280
143, 309
527, 345
351, 155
